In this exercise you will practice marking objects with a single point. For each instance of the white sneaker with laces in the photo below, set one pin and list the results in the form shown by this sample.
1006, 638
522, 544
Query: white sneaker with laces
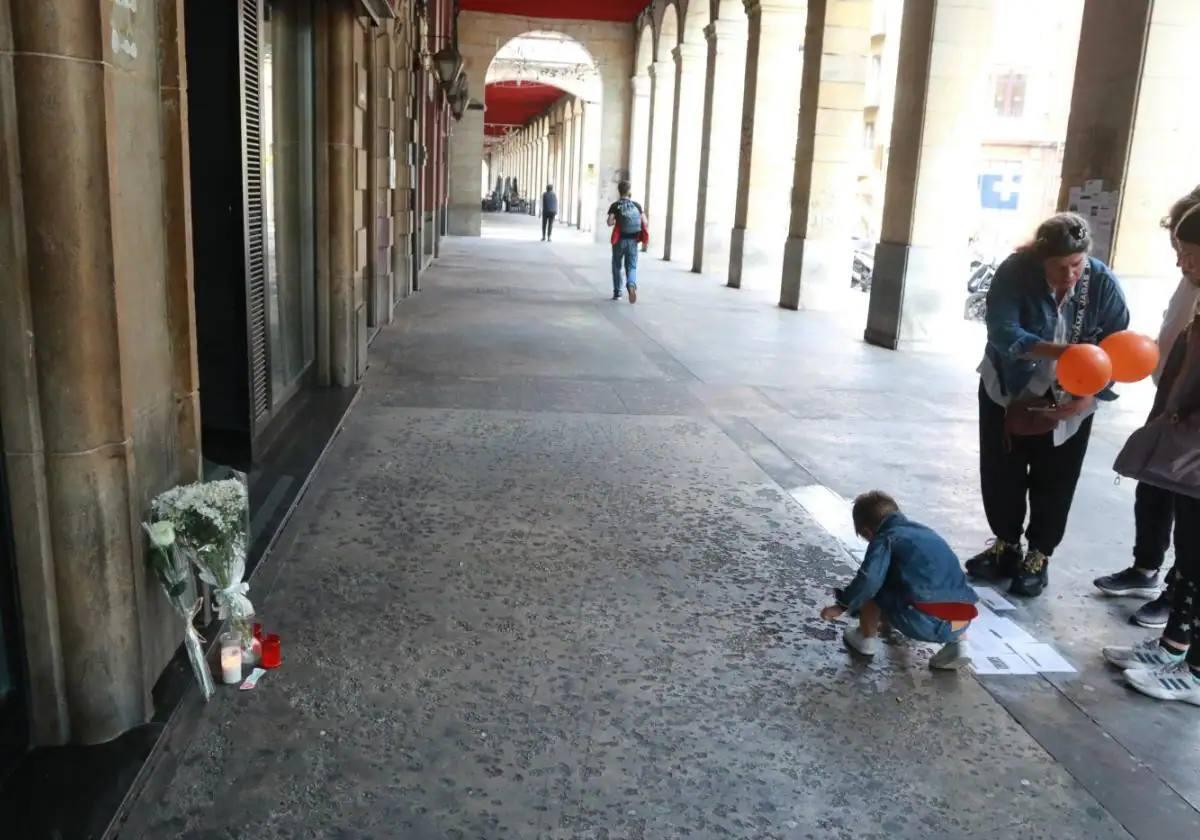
952, 656
1147, 654
857, 642
1176, 681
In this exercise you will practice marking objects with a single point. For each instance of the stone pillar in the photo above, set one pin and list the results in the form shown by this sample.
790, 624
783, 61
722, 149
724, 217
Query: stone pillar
658, 172
577, 167
771, 103
97, 352
590, 201
723, 89
922, 254
564, 199
818, 253
639, 134
465, 151
1127, 130
690, 60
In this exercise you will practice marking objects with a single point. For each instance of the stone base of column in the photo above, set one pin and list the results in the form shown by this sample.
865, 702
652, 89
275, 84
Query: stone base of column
816, 273
465, 221
712, 255
755, 259
911, 298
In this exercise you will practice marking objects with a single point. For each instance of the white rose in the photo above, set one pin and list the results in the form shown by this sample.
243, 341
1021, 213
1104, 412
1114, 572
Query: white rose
162, 534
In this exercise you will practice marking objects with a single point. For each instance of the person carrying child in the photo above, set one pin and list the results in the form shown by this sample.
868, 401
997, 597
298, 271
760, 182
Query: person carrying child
911, 579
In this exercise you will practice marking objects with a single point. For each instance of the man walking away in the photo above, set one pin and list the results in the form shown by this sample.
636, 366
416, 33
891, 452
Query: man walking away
629, 221
549, 211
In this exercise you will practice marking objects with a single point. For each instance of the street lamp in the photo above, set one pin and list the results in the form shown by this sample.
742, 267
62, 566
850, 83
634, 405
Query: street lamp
449, 64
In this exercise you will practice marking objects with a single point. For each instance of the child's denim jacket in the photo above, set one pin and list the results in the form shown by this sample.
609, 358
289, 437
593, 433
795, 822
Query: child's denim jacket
907, 563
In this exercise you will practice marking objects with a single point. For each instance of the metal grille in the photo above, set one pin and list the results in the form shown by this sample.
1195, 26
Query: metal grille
256, 274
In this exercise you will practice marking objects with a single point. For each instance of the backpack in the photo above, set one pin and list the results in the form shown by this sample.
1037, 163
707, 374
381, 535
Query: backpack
629, 218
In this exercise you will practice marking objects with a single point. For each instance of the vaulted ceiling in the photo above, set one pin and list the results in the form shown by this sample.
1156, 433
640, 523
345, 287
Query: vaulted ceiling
614, 10
512, 104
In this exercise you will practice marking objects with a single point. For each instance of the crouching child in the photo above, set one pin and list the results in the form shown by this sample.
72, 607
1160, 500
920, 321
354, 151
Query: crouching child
910, 579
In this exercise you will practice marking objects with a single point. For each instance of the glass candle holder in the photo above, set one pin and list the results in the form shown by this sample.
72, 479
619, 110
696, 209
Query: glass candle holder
231, 658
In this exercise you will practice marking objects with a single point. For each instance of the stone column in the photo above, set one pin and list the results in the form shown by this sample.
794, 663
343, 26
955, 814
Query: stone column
639, 134
723, 89
1127, 130
690, 61
770, 109
818, 253
658, 178
931, 170
568, 210
577, 167
97, 364
588, 193
465, 151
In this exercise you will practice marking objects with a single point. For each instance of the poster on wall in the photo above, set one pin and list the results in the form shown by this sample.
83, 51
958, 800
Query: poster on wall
1099, 207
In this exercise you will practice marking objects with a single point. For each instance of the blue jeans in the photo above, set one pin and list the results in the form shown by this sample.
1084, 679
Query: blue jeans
625, 251
922, 627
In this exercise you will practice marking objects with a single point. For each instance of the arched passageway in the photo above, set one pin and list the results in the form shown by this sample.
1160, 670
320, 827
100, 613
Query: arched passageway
580, 143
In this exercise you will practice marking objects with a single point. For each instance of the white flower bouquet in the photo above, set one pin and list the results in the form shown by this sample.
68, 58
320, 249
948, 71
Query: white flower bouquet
208, 528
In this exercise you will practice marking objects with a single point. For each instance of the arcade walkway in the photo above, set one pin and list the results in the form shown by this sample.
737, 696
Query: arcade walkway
552, 582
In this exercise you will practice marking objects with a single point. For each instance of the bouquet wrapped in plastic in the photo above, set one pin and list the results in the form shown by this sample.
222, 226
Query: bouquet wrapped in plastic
208, 529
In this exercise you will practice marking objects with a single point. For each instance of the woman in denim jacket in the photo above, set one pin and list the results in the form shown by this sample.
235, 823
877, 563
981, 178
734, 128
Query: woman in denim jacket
1032, 435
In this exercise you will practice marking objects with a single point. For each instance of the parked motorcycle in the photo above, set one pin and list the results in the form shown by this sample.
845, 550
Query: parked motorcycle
862, 268
978, 283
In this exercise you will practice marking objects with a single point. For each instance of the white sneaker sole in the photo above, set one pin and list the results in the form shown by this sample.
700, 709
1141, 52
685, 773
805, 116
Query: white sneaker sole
1147, 592
1153, 689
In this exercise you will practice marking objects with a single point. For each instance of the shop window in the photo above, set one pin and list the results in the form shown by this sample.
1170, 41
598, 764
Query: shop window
288, 167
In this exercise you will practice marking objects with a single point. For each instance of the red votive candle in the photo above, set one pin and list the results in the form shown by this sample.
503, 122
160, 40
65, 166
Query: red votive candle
271, 655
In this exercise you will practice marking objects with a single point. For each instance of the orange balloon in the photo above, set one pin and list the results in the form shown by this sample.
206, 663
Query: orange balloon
1134, 356
1084, 369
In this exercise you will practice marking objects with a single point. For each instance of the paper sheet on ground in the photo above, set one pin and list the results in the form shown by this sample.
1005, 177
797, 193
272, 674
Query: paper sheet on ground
990, 625
832, 513
1001, 663
992, 599
1044, 658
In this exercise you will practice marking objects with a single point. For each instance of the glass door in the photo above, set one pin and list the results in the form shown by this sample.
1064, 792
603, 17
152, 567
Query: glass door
289, 170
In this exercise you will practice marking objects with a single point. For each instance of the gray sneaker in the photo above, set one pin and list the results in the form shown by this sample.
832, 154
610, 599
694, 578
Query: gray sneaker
952, 656
1154, 614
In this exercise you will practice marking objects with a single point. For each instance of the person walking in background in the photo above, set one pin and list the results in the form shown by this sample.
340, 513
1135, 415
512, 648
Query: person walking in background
1032, 435
628, 221
549, 211
1153, 507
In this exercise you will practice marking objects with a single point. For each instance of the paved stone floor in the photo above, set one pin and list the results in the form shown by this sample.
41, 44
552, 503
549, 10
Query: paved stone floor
551, 582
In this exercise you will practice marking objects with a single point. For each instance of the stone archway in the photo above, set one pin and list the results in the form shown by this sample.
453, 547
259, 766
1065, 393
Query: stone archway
481, 35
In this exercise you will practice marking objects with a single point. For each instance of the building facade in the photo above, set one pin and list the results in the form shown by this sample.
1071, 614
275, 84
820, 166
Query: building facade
208, 211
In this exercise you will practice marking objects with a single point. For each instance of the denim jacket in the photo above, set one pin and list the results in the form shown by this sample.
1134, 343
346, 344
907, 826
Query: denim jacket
1021, 313
907, 563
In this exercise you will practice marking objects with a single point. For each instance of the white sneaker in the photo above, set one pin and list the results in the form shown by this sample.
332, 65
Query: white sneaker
1174, 682
1147, 654
857, 642
952, 656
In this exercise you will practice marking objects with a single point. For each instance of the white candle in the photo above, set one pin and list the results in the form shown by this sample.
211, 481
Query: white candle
231, 660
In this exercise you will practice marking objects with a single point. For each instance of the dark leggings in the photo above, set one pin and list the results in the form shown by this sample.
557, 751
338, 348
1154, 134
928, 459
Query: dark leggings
1027, 467
1183, 627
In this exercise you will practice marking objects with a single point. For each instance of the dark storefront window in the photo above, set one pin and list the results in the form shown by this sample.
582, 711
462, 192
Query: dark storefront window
289, 196
12, 701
